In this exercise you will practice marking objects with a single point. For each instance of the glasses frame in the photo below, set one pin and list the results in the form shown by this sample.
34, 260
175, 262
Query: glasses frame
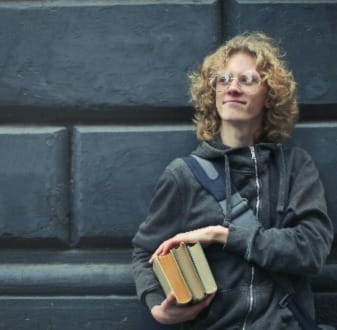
248, 89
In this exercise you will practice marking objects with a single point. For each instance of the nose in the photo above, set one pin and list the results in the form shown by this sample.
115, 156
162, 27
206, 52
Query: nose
234, 86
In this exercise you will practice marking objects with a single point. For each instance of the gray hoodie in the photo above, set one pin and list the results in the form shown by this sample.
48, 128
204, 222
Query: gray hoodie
292, 239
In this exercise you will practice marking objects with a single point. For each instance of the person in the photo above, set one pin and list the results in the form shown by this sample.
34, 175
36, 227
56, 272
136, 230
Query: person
245, 101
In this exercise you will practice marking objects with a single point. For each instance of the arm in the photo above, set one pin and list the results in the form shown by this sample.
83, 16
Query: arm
301, 244
206, 235
165, 219
166, 209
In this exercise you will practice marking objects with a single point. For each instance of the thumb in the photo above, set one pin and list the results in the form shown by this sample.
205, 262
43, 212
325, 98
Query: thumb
170, 300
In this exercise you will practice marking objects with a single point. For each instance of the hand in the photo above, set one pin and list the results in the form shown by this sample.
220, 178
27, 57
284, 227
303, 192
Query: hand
168, 313
205, 235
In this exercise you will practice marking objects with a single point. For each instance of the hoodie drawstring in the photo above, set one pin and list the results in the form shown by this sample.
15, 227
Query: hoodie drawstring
283, 183
228, 216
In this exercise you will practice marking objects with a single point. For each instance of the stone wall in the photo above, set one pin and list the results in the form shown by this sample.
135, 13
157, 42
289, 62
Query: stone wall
91, 93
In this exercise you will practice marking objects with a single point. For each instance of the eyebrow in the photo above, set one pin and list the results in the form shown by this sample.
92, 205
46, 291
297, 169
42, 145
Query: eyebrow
249, 70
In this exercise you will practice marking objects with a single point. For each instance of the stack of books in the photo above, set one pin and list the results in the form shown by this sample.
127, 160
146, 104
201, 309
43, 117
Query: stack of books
185, 272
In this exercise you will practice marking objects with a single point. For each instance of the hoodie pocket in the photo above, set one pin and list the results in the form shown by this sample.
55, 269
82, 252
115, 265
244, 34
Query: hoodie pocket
225, 311
287, 320
269, 314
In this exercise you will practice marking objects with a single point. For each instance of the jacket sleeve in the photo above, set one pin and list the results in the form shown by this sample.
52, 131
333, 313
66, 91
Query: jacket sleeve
302, 244
161, 223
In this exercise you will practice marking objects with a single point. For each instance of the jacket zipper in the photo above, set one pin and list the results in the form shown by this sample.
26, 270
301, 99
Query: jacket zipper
251, 297
257, 206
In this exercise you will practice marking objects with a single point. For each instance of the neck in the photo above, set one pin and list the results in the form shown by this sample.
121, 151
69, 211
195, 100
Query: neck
238, 135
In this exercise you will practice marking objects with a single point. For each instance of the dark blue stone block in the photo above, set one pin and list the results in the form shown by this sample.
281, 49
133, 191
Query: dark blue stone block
66, 279
319, 140
115, 171
103, 313
33, 186
65, 272
76, 313
102, 53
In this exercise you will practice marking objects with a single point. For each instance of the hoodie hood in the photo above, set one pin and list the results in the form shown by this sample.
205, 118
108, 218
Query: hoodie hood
241, 159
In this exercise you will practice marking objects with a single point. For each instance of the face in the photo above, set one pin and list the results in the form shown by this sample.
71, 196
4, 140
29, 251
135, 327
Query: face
237, 104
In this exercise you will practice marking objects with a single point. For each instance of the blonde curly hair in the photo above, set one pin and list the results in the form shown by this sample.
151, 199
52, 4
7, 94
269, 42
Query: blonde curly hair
279, 119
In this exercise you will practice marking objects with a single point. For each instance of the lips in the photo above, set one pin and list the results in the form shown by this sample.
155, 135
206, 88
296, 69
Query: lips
233, 101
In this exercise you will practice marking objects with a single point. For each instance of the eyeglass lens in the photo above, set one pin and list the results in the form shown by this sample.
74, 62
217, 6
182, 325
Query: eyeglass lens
248, 80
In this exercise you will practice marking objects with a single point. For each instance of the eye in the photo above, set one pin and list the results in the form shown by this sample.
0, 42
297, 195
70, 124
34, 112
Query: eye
224, 78
249, 78
245, 79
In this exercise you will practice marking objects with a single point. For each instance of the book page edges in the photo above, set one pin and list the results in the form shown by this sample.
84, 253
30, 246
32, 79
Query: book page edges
167, 285
189, 272
203, 268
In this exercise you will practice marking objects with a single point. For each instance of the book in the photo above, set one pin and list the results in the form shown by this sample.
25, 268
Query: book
186, 272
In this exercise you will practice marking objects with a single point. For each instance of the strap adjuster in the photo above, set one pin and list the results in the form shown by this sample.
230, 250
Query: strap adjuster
285, 300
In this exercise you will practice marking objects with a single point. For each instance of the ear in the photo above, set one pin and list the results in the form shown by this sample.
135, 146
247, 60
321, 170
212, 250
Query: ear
268, 103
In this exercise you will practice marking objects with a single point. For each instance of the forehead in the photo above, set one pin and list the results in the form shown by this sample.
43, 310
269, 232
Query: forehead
239, 62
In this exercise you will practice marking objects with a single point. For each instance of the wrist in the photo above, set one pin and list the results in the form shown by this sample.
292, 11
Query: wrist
156, 313
220, 234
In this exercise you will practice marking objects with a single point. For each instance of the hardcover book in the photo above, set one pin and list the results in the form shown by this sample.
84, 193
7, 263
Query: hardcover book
186, 272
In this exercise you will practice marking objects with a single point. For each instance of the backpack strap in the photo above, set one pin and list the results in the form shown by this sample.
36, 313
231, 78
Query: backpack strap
211, 177
208, 176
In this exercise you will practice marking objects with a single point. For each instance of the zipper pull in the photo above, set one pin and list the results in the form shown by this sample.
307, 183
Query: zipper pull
252, 150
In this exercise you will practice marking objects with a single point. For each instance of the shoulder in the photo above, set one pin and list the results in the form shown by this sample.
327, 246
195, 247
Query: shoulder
296, 155
299, 162
178, 171
178, 167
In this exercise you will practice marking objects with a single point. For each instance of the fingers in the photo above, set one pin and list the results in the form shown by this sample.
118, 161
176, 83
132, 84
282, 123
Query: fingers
169, 301
168, 313
158, 252
187, 237
170, 244
197, 308
209, 299
165, 247
191, 312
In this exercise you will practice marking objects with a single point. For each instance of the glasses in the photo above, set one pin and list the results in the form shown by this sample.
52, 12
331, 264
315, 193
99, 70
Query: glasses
248, 81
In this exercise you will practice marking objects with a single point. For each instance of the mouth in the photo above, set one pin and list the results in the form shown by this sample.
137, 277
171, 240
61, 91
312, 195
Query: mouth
233, 101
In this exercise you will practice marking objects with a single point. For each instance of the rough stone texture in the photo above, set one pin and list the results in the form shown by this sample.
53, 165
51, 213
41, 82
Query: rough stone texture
65, 279
34, 186
115, 171
73, 312
104, 54
108, 161
120, 68
102, 313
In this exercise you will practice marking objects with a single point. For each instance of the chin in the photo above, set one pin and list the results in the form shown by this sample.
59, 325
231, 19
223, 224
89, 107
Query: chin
237, 117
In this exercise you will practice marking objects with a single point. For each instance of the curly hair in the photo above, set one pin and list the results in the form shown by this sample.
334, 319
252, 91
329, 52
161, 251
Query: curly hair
279, 119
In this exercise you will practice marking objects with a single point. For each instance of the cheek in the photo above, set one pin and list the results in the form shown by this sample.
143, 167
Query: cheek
259, 102
218, 101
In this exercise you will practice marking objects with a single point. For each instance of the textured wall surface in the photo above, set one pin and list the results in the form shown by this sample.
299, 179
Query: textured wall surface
93, 105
